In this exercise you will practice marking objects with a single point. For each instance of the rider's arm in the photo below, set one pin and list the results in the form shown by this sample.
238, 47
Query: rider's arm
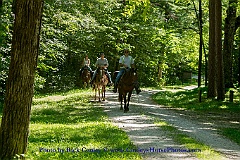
106, 63
121, 62
88, 64
122, 65
97, 63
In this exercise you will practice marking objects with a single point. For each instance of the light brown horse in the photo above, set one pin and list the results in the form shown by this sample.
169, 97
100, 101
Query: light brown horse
100, 83
125, 87
86, 77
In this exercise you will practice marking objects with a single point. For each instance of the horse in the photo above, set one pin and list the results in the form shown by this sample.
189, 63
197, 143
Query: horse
100, 83
86, 77
125, 87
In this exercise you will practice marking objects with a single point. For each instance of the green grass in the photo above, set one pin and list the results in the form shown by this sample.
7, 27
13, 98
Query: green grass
201, 150
232, 133
68, 126
188, 100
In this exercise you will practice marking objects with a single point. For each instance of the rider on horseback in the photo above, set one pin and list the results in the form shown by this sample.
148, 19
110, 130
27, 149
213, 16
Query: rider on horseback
86, 64
102, 62
125, 61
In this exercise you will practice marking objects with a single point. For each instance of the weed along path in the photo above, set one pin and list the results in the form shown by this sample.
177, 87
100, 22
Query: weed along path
153, 142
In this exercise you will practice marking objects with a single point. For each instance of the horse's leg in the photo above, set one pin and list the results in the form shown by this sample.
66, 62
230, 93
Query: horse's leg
125, 103
129, 97
99, 95
95, 89
120, 99
103, 92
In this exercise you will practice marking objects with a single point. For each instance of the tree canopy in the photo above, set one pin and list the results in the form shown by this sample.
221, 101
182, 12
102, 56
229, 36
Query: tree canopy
163, 37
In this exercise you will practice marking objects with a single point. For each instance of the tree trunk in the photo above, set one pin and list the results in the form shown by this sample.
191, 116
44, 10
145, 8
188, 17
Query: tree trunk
1, 5
219, 53
19, 90
238, 63
212, 52
229, 32
200, 45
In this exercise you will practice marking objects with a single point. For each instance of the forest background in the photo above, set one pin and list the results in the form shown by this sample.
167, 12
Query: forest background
163, 37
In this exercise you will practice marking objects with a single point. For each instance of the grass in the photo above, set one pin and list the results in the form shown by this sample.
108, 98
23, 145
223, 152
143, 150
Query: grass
68, 126
232, 133
188, 100
201, 150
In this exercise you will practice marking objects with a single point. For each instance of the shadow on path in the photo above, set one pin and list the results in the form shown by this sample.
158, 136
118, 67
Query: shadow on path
139, 125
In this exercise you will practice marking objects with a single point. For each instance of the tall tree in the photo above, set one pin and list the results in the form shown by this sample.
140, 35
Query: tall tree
215, 65
19, 90
229, 32
212, 52
219, 53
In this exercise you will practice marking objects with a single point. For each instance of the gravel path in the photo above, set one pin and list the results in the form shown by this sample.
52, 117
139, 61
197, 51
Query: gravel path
138, 123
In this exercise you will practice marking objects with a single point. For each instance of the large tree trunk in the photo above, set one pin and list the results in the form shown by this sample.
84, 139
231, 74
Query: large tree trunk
215, 65
229, 32
219, 53
212, 52
19, 90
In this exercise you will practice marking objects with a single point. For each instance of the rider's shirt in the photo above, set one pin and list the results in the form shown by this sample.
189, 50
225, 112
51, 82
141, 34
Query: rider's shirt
127, 60
102, 62
86, 62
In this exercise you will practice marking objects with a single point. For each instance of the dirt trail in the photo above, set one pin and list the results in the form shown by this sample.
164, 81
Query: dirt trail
138, 123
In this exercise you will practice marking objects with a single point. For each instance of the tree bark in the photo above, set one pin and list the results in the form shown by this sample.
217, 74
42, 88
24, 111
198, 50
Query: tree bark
19, 90
212, 52
229, 32
201, 44
219, 53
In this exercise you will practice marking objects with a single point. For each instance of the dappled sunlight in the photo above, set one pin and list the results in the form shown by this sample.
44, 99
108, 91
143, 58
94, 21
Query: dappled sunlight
73, 123
139, 123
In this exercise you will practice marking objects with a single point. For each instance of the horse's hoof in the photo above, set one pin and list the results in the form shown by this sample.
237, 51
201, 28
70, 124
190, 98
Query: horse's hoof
103, 100
121, 108
125, 111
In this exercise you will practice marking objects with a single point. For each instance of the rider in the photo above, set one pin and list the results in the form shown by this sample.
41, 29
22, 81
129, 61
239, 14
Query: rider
102, 62
125, 61
86, 63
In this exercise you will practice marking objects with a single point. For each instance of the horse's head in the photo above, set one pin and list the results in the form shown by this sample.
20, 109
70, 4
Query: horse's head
130, 75
101, 75
100, 71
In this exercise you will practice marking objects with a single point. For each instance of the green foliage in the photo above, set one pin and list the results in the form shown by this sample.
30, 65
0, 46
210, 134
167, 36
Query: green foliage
5, 39
161, 35
72, 29
68, 120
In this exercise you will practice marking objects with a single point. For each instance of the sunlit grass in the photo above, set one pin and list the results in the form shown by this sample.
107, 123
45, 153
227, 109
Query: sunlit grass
232, 133
68, 126
188, 100
201, 150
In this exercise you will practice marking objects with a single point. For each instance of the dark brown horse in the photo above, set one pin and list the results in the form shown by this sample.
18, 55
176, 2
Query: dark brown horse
126, 86
86, 77
100, 83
